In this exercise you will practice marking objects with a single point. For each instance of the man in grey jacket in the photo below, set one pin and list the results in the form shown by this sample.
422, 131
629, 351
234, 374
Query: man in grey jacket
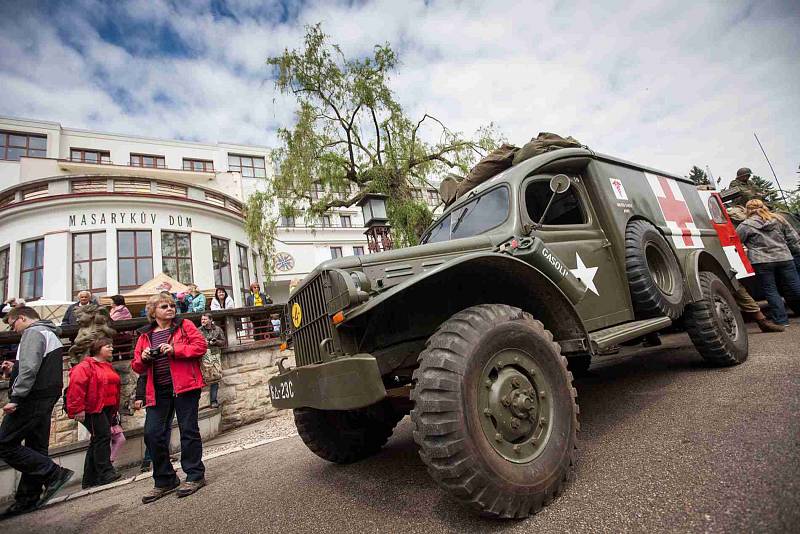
36, 382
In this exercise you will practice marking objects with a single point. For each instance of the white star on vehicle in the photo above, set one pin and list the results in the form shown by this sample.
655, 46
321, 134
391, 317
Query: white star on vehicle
585, 274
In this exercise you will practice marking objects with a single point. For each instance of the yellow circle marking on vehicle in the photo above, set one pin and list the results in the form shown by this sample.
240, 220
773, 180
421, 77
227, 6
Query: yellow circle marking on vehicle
297, 315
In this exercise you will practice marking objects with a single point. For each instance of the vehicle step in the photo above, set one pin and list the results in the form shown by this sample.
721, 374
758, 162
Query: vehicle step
608, 337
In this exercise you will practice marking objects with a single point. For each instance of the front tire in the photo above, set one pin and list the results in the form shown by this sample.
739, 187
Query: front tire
495, 415
715, 324
346, 436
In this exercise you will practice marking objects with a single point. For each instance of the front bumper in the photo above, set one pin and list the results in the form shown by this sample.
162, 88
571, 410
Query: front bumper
343, 384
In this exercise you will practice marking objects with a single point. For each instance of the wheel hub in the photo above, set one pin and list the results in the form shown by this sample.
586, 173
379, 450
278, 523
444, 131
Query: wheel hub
726, 317
514, 399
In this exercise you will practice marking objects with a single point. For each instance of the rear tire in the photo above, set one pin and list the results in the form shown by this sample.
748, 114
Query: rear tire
715, 324
654, 276
495, 415
346, 436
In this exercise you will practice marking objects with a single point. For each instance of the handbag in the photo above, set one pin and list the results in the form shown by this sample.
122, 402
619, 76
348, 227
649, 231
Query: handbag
211, 366
117, 440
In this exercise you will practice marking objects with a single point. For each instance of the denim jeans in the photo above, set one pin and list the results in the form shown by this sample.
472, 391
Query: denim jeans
212, 390
777, 274
30, 422
185, 406
168, 431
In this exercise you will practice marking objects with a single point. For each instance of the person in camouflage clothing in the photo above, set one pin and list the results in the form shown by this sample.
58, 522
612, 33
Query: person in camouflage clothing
747, 191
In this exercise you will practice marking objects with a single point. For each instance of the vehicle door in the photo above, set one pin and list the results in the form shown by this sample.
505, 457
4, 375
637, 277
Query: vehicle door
571, 230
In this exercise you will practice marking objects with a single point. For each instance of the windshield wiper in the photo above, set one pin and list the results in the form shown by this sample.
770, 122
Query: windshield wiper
463, 214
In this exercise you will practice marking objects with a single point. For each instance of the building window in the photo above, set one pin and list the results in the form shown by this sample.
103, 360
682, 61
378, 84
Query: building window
176, 256
358, 251
90, 156
244, 271
89, 262
433, 197
417, 194
200, 165
326, 221
4, 274
31, 269
317, 191
135, 258
288, 221
14, 145
220, 256
347, 222
147, 160
336, 252
249, 166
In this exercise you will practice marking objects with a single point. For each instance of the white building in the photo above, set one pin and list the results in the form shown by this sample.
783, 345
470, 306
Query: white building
105, 212
89, 210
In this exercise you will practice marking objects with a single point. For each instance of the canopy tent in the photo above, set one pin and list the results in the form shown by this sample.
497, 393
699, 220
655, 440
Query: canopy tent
160, 283
50, 309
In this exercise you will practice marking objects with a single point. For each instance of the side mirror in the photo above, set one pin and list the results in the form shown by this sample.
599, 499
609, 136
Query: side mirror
559, 183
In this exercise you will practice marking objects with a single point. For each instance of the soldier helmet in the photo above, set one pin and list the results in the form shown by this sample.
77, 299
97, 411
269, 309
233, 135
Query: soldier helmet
744, 171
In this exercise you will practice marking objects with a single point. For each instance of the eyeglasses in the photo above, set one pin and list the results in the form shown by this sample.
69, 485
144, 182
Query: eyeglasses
166, 306
12, 323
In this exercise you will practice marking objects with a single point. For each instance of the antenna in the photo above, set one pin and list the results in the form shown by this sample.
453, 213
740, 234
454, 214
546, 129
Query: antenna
773, 170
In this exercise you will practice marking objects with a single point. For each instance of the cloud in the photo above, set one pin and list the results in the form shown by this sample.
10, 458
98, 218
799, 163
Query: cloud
667, 84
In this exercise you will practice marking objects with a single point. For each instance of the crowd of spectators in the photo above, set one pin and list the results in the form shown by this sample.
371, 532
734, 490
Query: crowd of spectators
174, 360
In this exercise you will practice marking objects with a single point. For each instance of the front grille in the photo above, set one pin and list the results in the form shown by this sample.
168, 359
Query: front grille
315, 324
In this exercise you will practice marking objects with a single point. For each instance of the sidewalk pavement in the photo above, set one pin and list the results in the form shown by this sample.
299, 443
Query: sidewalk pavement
242, 438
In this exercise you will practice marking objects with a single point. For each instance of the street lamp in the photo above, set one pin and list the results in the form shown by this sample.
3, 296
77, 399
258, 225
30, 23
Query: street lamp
373, 209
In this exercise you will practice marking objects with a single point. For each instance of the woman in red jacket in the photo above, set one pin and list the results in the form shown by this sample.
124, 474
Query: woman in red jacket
168, 351
93, 399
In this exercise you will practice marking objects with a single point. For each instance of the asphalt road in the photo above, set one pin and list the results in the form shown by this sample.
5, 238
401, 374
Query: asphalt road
667, 445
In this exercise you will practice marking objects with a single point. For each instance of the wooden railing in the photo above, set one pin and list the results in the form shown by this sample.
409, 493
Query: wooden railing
242, 326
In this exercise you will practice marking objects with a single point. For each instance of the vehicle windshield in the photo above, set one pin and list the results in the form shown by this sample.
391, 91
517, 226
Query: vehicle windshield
481, 214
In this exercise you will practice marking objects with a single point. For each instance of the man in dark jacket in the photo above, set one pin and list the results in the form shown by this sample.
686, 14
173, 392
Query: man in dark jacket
36, 382
256, 297
84, 298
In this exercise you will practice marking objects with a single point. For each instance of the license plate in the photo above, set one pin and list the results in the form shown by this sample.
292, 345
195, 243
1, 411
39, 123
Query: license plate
281, 389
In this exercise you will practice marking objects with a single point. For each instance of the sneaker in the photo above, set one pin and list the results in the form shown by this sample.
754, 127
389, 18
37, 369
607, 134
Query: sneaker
187, 488
156, 493
215, 404
145, 467
19, 508
54, 483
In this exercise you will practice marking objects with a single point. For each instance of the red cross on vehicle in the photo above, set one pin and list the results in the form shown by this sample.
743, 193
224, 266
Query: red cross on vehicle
675, 211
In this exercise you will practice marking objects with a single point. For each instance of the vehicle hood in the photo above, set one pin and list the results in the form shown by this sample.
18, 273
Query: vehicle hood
387, 269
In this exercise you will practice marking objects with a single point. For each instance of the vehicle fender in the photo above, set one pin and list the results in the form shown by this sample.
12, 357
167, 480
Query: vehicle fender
478, 278
701, 260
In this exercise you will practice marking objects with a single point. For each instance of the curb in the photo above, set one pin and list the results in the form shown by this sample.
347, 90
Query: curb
176, 465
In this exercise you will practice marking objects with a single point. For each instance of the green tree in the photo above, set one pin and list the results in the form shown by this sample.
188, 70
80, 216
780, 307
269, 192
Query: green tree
769, 193
351, 136
698, 176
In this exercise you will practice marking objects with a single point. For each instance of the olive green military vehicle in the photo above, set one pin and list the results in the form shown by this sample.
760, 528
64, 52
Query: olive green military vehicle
540, 268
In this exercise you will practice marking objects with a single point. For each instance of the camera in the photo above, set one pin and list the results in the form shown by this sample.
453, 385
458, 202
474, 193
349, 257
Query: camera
154, 353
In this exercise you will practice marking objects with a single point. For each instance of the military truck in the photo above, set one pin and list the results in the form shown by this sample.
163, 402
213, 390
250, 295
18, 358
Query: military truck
540, 268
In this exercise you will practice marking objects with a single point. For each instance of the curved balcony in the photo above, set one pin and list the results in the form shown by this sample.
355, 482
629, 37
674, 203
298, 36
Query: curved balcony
93, 185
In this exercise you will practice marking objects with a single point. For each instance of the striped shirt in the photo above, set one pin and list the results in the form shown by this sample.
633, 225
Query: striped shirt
163, 377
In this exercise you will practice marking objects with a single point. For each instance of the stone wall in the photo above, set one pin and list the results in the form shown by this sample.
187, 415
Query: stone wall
243, 392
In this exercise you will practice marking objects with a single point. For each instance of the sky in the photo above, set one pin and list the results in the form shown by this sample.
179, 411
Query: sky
669, 84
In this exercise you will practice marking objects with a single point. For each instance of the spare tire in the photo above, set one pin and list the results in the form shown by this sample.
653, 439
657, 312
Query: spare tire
654, 277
